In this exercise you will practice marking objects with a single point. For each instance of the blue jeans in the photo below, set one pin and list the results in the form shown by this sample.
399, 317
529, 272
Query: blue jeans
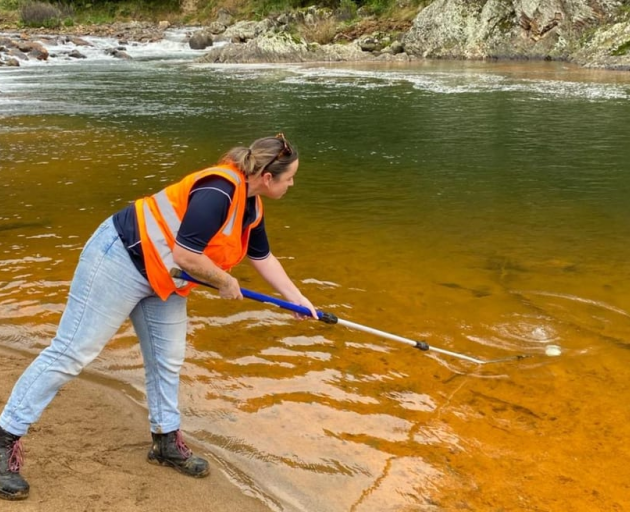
106, 290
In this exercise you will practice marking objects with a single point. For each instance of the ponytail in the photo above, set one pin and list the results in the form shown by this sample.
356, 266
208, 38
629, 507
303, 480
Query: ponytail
241, 157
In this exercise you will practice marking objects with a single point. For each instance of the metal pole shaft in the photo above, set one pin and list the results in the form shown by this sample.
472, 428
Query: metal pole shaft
407, 341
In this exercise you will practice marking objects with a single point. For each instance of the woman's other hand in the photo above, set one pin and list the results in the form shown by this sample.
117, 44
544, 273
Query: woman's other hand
304, 302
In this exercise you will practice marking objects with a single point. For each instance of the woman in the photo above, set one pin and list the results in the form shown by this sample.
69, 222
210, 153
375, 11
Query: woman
205, 224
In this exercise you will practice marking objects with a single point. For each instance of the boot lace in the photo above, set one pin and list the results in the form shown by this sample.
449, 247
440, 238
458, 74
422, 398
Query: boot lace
181, 445
16, 458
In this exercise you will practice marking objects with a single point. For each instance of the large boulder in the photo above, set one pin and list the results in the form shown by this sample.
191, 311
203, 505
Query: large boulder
200, 40
504, 28
282, 47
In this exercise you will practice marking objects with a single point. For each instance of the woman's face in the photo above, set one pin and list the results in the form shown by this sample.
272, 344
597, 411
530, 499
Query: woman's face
275, 188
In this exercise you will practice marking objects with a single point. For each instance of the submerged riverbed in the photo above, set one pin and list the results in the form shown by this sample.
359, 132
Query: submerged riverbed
481, 207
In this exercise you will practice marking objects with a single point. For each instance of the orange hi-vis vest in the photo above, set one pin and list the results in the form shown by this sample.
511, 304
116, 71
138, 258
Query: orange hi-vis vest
160, 217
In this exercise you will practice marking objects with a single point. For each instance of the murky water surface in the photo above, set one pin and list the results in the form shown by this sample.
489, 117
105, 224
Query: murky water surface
481, 207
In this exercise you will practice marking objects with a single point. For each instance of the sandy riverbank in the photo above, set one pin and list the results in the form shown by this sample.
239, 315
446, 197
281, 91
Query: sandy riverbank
87, 453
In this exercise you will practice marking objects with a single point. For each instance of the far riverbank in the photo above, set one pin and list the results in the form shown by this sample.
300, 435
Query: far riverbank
592, 34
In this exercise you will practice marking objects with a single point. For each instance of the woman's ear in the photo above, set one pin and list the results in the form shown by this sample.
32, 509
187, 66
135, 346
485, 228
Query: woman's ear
266, 177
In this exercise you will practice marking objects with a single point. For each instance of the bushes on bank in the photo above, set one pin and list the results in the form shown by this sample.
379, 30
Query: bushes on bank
41, 14
377, 7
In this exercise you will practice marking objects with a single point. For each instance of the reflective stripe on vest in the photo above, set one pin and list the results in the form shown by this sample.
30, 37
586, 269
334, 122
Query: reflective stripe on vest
169, 221
153, 229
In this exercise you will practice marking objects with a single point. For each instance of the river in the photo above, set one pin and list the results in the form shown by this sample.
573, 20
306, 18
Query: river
480, 206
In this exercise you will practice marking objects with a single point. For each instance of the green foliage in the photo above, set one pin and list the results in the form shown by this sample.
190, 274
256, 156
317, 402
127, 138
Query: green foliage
117, 5
9, 5
267, 7
345, 7
95, 12
347, 10
322, 32
624, 10
374, 6
622, 49
40, 14
108, 11
103, 12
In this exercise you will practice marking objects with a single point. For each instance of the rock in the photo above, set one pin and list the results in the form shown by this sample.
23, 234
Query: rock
397, 47
33, 49
163, 25
284, 18
224, 18
241, 31
446, 28
266, 48
11, 62
216, 27
14, 52
200, 40
505, 28
247, 30
388, 56
118, 53
76, 54
609, 48
282, 47
77, 41
369, 44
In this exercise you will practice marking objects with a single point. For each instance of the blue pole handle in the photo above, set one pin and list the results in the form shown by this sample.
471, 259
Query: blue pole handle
328, 318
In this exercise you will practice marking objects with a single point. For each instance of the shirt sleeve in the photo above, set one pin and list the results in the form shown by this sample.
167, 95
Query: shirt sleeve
258, 248
208, 206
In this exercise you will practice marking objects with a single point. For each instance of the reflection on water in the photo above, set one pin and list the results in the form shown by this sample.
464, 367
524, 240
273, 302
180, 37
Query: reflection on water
482, 208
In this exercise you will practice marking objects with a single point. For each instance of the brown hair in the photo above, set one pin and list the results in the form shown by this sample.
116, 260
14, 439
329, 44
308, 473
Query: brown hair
269, 154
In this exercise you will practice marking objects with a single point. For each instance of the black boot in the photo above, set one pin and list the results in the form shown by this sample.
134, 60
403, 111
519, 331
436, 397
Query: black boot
171, 450
13, 486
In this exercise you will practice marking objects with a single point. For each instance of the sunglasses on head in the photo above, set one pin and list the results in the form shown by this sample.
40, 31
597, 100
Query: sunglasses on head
284, 150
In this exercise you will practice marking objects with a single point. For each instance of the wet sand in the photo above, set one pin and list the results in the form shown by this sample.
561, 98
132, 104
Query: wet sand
88, 451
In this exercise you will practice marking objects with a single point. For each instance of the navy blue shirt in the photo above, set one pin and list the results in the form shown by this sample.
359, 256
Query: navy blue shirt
208, 206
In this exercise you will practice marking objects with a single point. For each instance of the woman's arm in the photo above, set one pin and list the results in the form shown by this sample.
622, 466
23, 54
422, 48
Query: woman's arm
203, 268
272, 271
207, 210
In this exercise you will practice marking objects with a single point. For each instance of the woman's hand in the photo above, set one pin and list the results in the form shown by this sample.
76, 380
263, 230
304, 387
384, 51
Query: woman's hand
230, 288
271, 270
304, 302
203, 268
